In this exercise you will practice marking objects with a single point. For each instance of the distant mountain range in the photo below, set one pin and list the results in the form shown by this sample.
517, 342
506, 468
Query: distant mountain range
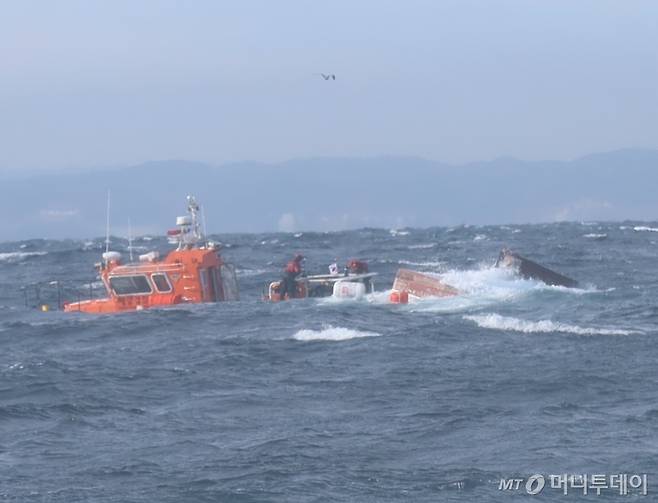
333, 193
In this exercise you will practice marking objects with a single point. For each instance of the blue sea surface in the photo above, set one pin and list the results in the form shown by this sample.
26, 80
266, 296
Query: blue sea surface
328, 400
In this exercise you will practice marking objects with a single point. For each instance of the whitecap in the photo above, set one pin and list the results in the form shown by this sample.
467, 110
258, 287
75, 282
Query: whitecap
480, 237
477, 288
422, 246
643, 228
331, 333
395, 232
16, 256
508, 323
484, 287
595, 236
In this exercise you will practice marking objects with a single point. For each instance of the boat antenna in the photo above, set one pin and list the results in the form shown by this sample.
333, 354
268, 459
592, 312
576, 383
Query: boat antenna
203, 217
107, 224
130, 240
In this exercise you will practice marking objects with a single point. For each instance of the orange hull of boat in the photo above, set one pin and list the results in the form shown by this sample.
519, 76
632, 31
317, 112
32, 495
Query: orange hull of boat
421, 285
193, 275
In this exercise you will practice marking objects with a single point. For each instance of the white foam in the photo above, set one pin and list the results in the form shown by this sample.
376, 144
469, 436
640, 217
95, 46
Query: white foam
478, 288
595, 236
484, 287
331, 333
395, 232
643, 228
508, 323
422, 246
480, 237
16, 256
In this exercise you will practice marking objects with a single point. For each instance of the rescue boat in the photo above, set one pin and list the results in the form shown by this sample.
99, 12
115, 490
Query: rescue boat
355, 282
194, 272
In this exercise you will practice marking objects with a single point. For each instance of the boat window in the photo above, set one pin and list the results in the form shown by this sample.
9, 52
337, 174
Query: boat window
130, 285
161, 283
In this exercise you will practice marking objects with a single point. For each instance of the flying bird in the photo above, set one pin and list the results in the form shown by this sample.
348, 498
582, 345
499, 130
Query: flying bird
328, 77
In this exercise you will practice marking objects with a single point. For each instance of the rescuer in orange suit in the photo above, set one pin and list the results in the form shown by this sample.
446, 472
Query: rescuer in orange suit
290, 274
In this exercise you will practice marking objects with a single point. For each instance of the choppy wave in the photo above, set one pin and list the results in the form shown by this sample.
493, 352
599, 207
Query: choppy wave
320, 394
478, 288
17, 256
644, 228
508, 323
331, 333
488, 286
396, 232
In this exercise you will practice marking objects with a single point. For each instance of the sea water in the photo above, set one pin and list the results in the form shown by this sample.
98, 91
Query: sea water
338, 400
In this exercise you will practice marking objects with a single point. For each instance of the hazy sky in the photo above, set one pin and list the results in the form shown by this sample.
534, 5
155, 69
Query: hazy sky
98, 83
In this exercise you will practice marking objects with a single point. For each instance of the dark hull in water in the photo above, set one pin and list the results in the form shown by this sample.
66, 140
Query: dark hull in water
532, 270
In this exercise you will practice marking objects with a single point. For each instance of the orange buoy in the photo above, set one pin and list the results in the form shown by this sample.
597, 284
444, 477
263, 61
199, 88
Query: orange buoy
399, 297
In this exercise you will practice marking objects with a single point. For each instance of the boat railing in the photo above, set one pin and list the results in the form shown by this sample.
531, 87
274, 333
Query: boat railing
52, 295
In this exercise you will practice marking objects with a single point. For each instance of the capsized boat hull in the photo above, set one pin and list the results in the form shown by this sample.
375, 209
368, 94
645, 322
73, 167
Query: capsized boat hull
532, 270
420, 285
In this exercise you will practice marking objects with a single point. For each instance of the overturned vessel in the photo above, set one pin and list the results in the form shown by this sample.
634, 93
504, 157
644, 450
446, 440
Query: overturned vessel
417, 285
194, 272
532, 270
412, 285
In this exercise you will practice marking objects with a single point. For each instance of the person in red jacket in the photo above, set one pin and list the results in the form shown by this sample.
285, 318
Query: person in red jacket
290, 274
355, 266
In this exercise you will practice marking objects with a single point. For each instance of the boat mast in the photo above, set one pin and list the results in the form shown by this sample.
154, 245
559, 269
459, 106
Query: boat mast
205, 228
107, 224
130, 240
193, 209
